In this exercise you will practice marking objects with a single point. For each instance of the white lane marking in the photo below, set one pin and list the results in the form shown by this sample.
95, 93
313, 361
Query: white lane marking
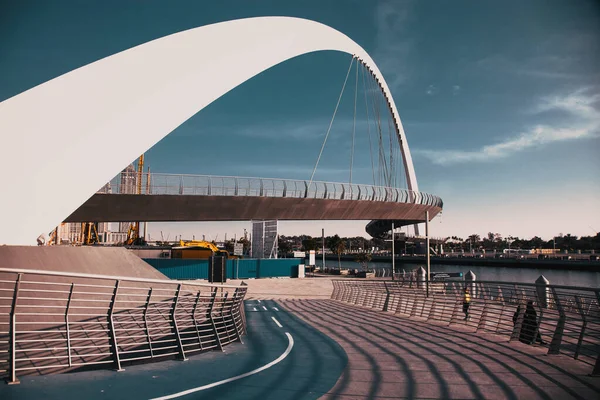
277, 322
253, 308
275, 308
265, 308
235, 378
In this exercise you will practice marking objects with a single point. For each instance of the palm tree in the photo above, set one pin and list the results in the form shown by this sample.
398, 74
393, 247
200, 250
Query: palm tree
363, 259
339, 249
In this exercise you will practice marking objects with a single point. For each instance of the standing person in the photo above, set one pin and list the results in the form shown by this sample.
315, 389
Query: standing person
530, 331
466, 303
516, 314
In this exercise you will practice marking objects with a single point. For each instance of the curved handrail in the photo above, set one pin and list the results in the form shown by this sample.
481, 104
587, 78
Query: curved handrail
210, 185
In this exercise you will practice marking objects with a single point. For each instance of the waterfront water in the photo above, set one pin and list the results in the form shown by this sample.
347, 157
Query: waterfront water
504, 274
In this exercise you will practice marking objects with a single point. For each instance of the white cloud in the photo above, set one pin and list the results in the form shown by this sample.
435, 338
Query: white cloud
456, 89
303, 130
585, 123
431, 90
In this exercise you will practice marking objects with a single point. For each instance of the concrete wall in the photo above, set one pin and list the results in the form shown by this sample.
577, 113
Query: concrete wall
110, 261
236, 269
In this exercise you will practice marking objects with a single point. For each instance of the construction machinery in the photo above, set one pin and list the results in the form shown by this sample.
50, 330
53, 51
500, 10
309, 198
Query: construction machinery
198, 249
133, 234
89, 233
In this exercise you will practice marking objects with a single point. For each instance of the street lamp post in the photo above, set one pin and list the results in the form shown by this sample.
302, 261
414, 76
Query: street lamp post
427, 250
393, 255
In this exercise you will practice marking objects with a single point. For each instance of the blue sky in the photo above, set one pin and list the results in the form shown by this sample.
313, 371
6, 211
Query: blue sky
500, 101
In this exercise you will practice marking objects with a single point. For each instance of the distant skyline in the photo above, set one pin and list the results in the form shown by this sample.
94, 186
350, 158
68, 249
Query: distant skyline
500, 102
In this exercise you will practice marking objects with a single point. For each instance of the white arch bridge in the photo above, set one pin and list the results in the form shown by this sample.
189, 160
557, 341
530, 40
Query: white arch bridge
124, 104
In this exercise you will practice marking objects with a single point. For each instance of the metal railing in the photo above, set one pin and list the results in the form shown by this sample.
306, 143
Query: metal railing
206, 185
53, 321
566, 319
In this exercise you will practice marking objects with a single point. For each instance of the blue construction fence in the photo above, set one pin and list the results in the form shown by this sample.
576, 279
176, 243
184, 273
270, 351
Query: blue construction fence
181, 268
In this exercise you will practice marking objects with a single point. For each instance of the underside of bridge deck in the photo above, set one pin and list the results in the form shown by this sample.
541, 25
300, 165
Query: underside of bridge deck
123, 207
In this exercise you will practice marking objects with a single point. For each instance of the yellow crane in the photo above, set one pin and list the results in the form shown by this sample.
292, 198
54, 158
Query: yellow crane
133, 234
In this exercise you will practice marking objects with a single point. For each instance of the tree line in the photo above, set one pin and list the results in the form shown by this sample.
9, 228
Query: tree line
493, 241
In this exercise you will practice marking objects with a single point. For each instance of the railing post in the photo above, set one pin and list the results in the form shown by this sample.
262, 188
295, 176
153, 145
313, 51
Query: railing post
242, 310
284, 189
583, 326
67, 323
261, 187
111, 321
181, 185
235, 193
596, 371
387, 297
542, 290
209, 186
233, 306
12, 339
174, 318
223, 307
343, 192
555, 343
195, 321
212, 321
148, 301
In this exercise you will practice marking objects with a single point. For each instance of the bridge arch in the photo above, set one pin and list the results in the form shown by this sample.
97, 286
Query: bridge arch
150, 89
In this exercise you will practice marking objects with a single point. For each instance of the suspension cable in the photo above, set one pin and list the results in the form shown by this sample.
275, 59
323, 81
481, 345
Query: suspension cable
377, 111
353, 125
330, 124
368, 123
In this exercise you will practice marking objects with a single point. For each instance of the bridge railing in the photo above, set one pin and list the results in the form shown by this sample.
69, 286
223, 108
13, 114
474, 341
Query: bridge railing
54, 322
206, 185
566, 320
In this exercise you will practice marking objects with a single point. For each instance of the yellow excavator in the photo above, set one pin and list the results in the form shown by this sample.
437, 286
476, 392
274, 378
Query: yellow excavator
198, 249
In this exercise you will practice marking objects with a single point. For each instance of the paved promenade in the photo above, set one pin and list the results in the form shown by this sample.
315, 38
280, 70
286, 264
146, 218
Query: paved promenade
365, 354
394, 357
319, 287
391, 356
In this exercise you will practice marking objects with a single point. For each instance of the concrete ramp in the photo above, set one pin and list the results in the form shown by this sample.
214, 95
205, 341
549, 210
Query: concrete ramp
111, 261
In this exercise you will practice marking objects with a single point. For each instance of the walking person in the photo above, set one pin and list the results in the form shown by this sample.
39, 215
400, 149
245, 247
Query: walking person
466, 303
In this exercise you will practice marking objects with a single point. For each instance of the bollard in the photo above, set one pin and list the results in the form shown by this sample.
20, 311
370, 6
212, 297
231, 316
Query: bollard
421, 276
543, 291
470, 279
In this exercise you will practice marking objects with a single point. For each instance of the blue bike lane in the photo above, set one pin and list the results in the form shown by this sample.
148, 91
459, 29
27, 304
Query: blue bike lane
281, 358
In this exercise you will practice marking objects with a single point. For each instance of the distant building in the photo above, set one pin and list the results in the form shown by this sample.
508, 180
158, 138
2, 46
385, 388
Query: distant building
128, 185
264, 239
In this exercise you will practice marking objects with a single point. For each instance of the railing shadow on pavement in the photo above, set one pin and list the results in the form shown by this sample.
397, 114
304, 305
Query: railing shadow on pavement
436, 360
567, 317
56, 322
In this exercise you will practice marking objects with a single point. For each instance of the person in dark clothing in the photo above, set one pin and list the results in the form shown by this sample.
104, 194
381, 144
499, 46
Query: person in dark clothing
516, 314
530, 325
